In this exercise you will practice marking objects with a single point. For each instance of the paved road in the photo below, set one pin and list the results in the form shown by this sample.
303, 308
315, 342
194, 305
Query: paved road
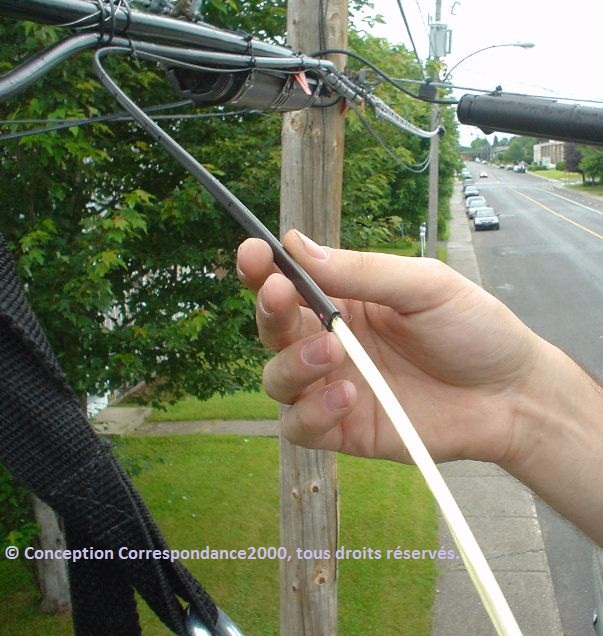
546, 263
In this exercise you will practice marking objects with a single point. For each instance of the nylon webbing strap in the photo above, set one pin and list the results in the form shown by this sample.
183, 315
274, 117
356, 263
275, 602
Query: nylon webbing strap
48, 444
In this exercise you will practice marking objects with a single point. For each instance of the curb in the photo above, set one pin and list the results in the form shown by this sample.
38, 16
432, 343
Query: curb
501, 513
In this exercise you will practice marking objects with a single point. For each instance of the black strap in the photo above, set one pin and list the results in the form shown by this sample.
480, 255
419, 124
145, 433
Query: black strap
48, 444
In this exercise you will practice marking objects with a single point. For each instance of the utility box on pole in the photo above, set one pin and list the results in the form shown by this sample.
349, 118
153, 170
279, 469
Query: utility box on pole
440, 40
311, 186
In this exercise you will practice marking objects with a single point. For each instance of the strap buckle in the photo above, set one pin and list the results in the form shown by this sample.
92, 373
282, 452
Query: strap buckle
196, 627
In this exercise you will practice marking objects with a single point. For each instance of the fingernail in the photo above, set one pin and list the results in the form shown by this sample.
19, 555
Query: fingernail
318, 351
337, 397
240, 272
312, 249
263, 305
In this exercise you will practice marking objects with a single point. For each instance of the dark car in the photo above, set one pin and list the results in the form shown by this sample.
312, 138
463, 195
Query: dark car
471, 191
486, 219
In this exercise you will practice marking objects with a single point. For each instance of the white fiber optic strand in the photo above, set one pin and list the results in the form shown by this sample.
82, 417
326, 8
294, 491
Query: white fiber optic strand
483, 579
383, 111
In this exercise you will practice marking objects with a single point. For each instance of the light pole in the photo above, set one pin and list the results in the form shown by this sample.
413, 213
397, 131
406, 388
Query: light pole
522, 45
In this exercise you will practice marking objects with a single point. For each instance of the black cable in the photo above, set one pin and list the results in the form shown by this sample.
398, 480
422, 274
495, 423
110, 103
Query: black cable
71, 123
418, 168
322, 10
384, 75
414, 48
121, 116
314, 296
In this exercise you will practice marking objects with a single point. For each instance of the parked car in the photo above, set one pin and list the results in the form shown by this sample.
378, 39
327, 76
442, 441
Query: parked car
486, 219
471, 191
474, 203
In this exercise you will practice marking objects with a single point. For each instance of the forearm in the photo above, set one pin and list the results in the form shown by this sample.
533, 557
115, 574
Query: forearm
558, 440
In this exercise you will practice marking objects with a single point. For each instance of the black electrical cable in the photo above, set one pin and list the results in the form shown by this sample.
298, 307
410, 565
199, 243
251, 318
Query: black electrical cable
314, 296
418, 168
384, 75
414, 48
122, 116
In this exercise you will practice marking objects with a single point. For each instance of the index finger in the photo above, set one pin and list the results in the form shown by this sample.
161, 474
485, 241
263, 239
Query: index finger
255, 263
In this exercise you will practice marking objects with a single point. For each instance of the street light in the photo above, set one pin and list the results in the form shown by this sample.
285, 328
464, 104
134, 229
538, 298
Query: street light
522, 45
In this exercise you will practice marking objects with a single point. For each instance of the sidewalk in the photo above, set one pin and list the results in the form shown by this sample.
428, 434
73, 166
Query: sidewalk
132, 421
499, 510
502, 515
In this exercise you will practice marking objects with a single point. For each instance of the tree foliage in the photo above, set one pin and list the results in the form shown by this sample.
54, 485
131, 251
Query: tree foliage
128, 262
591, 163
387, 178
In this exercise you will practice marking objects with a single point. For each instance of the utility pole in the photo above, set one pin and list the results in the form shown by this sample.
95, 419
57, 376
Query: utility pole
434, 154
311, 184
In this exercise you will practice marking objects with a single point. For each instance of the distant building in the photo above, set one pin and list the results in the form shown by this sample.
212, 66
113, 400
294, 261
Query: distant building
549, 153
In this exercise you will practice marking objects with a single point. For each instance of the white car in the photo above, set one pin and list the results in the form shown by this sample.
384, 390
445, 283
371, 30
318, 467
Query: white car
486, 219
472, 203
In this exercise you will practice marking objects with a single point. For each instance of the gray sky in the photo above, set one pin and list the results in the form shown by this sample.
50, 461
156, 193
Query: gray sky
565, 61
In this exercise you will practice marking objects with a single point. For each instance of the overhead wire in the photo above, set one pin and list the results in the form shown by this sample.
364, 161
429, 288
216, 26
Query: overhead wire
486, 91
412, 42
417, 168
62, 124
422, 17
384, 75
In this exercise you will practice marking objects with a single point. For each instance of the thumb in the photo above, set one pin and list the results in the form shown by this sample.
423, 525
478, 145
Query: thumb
407, 284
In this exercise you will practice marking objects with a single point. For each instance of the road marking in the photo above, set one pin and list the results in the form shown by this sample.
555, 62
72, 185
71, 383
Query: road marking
586, 207
561, 216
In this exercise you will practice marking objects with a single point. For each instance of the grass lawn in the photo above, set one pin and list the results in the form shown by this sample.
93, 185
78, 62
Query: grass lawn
404, 248
558, 175
222, 492
589, 188
239, 406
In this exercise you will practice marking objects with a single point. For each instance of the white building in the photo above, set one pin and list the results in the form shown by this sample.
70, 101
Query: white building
549, 153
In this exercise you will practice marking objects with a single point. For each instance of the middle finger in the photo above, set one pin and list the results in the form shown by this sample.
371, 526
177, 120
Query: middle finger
279, 317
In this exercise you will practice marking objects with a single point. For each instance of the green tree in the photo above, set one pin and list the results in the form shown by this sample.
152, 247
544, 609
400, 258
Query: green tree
591, 163
129, 264
520, 149
386, 178
480, 148
573, 155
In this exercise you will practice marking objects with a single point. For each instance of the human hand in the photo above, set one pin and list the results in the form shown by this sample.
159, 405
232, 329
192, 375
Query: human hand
455, 356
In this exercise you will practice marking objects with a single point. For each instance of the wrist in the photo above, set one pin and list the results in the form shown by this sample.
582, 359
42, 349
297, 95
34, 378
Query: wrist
557, 440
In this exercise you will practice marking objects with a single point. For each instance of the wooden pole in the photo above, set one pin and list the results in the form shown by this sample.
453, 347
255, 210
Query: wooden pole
434, 167
311, 178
